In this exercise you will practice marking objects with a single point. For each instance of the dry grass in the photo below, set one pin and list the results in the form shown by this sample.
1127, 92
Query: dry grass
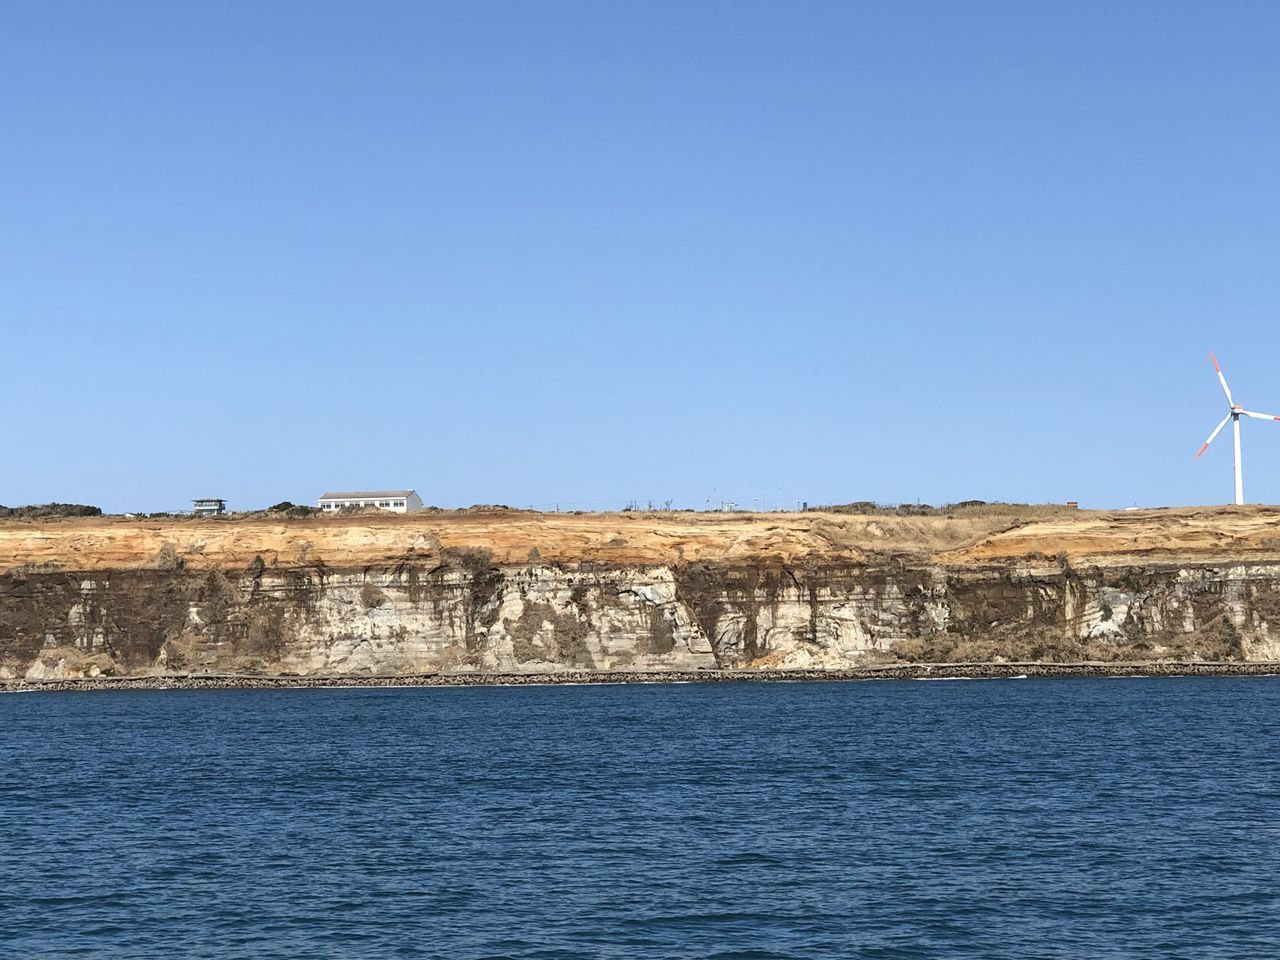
966, 510
989, 533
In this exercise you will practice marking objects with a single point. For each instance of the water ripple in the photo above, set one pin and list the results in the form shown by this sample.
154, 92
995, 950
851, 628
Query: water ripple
891, 820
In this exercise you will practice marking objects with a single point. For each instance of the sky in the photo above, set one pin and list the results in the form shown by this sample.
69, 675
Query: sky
540, 253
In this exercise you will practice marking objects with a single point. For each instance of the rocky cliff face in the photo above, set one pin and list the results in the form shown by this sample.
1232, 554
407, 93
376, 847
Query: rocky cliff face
453, 609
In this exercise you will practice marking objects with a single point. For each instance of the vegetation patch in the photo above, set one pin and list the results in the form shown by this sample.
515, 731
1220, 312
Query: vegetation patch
167, 558
566, 642
660, 639
293, 511
51, 510
962, 509
372, 597
266, 633
700, 588
485, 588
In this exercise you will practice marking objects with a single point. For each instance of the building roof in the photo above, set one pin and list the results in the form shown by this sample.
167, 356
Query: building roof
208, 500
368, 495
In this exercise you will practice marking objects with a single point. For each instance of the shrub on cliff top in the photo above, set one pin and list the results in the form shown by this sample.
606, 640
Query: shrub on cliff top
354, 509
293, 511
52, 510
965, 508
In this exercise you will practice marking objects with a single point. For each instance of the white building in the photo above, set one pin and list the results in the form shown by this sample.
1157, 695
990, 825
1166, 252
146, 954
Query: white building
396, 501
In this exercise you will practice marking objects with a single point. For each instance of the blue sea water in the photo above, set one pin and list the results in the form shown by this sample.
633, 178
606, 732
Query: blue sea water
1032, 818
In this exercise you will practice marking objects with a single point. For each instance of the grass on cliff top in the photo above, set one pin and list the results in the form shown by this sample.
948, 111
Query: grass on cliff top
42, 511
965, 510
920, 529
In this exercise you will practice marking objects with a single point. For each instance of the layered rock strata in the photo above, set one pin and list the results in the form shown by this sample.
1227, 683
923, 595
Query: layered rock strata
445, 594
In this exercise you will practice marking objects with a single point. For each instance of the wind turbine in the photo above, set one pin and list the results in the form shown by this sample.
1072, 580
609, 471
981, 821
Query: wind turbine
1233, 415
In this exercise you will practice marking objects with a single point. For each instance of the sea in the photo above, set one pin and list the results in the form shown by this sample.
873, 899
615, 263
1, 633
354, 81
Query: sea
1073, 818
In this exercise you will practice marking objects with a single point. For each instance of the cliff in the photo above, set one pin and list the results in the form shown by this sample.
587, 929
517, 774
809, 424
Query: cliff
513, 591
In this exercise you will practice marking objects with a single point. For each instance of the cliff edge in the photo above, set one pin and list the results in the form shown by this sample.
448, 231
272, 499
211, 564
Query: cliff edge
525, 592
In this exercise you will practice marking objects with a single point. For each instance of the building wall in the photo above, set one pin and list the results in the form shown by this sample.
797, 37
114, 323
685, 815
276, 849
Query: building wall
390, 504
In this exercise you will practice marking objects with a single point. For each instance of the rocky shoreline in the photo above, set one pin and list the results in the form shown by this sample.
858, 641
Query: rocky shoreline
915, 671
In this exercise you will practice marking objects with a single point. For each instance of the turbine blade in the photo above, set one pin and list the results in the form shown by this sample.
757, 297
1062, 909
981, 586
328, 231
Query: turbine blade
1221, 379
1259, 416
1216, 430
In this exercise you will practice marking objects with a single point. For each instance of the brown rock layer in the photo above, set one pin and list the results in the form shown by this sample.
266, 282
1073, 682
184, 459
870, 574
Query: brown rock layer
521, 592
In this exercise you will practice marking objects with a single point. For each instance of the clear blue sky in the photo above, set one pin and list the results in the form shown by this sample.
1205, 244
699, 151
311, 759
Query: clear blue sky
588, 252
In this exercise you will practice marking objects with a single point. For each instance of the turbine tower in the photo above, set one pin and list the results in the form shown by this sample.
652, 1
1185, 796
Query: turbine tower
1234, 414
